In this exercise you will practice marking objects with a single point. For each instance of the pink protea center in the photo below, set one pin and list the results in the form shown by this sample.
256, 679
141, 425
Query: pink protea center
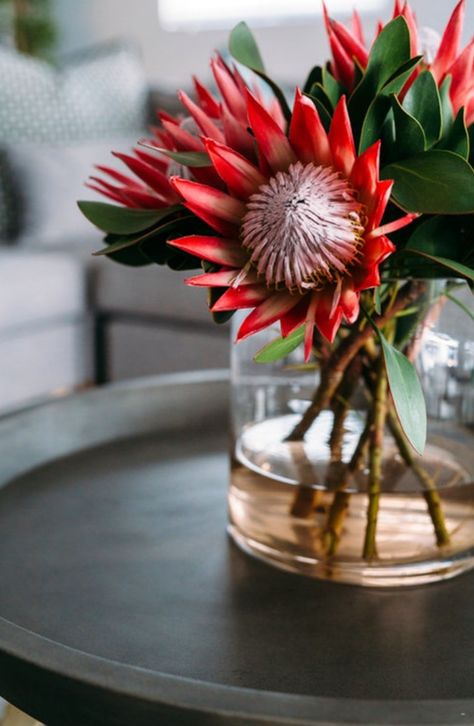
303, 228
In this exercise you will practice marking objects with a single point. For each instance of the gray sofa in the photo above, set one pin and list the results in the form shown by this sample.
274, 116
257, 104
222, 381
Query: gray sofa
68, 319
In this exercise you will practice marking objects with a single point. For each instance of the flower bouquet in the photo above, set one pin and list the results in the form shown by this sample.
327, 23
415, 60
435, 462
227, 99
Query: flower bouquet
344, 217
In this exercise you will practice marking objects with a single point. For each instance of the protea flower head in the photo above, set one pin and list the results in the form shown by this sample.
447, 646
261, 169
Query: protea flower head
349, 48
223, 120
298, 234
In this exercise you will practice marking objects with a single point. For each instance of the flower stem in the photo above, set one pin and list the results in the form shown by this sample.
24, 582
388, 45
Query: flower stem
375, 459
333, 371
340, 503
430, 493
340, 406
309, 498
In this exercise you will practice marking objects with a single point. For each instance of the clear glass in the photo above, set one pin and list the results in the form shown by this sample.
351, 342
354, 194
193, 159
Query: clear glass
287, 499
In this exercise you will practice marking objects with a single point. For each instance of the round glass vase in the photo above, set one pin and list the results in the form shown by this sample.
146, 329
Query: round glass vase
298, 504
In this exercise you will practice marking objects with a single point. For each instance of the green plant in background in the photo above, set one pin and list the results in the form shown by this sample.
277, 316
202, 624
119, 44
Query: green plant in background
29, 25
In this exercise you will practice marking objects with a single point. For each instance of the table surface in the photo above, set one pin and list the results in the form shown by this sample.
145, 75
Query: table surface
122, 600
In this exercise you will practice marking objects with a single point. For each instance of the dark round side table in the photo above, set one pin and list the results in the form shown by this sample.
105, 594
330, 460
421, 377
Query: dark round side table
122, 602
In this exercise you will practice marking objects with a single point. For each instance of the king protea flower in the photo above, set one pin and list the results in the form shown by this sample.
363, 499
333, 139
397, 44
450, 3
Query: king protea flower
348, 47
298, 235
223, 120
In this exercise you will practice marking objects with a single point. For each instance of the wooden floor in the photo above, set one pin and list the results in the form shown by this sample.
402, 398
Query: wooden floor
13, 717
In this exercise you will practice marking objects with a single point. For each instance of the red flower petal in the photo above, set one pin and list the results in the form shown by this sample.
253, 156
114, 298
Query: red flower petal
384, 189
229, 90
450, 42
151, 176
307, 135
376, 250
183, 140
326, 322
357, 28
267, 313
407, 13
352, 46
207, 126
118, 176
350, 303
243, 296
365, 176
309, 326
393, 226
208, 103
295, 317
139, 198
343, 66
462, 80
107, 190
211, 201
271, 140
341, 139
237, 135
222, 278
214, 249
398, 9
154, 160
241, 177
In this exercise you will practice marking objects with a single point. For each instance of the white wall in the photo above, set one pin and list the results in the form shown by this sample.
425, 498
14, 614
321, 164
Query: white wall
172, 57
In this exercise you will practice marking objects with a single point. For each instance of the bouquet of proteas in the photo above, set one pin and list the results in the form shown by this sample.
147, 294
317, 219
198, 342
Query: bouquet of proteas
328, 215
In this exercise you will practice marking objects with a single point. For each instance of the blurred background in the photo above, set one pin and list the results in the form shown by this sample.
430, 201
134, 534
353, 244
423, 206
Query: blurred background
78, 79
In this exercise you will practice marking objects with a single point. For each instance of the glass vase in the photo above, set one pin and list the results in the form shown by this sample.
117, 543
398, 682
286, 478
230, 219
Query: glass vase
305, 504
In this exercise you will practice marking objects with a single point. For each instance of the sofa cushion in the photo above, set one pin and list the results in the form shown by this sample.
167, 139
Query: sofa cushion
49, 179
39, 288
96, 94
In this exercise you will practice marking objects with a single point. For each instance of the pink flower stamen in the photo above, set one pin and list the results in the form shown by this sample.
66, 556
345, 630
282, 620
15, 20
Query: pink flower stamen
303, 228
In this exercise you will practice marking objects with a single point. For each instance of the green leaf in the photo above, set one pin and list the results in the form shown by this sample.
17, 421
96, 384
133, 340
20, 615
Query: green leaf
409, 136
155, 248
324, 114
131, 257
332, 88
407, 394
123, 220
244, 49
444, 236
380, 106
314, 76
457, 139
124, 242
377, 301
390, 51
446, 107
423, 102
318, 92
435, 182
456, 267
121, 244
280, 347
193, 159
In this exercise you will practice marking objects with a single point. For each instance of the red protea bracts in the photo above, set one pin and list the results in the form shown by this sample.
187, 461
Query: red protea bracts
348, 49
224, 121
299, 233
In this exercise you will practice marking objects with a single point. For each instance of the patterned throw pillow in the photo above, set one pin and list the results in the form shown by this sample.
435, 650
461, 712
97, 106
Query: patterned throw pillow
94, 95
